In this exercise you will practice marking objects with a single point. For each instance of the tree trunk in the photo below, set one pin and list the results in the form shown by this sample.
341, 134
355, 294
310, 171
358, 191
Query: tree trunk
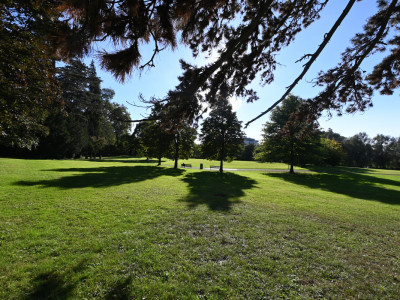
176, 152
159, 161
291, 171
176, 163
221, 166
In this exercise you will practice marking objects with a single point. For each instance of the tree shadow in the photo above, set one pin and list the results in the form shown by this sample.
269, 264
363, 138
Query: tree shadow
103, 176
128, 161
354, 185
218, 191
55, 285
340, 170
121, 290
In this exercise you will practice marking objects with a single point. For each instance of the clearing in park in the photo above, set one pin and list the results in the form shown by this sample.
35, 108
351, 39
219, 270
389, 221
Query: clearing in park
124, 228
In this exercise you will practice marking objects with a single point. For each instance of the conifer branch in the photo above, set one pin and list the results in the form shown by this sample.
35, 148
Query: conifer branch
314, 56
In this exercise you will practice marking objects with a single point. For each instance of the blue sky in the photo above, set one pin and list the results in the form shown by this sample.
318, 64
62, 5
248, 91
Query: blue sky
382, 118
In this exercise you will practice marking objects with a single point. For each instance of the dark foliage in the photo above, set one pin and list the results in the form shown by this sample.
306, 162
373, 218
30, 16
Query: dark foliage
251, 32
28, 88
221, 135
286, 138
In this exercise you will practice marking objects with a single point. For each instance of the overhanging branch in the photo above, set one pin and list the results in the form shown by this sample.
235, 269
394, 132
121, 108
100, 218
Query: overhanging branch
314, 56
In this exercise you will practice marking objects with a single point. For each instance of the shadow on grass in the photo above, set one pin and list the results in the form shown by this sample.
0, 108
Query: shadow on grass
102, 176
218, 191
353, 185
131, 161
340, 170
50, 285
55, 285
121, 290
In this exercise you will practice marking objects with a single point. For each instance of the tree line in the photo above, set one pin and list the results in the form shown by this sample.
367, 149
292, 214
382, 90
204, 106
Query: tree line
85, 122
249, 36
287, 138
91, 125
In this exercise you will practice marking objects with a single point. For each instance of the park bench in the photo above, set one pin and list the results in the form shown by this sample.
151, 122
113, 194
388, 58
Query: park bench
214, 167
186, 165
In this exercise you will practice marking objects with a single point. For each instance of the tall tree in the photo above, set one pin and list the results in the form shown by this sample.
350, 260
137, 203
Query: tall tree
221, 134
89, 121
28, 88
183, 143
331, 152
383, 150
68, 129
154, 138
248, 152
358, 150
286, 138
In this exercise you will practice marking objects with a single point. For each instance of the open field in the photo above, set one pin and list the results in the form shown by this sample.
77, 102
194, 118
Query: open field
127, 229
207, 163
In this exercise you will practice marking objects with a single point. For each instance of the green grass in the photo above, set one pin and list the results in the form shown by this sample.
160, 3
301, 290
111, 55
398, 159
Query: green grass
207, 163
126, 229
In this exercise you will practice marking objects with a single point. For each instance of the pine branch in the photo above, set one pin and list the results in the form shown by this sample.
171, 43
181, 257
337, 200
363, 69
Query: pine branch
314, 56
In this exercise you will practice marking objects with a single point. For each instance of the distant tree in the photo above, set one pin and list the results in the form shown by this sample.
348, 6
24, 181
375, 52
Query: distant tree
68, 129
197, 151
119, 118
331, 152
89, 122
332, 136
286, 138
383, 150
358, 150
395, 162
155, 141
183, 143
248, 152
221, 134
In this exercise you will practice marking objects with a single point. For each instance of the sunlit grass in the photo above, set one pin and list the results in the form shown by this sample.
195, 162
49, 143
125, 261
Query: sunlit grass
122, 229
235, 164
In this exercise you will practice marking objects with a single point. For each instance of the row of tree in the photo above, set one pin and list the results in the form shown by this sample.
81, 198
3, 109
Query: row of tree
221, 136
248, 35
85, 121
90, 125
289, 139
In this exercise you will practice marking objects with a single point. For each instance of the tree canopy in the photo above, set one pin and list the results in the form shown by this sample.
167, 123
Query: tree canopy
248, 35
221, 134
285, 138
28, 88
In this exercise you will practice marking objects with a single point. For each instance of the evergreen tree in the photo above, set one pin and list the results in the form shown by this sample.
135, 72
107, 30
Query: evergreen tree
89, 122
68, 129
221, 134
248, 152
28, 86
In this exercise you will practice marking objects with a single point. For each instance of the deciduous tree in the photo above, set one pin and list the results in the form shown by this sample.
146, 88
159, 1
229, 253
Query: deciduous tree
286, 138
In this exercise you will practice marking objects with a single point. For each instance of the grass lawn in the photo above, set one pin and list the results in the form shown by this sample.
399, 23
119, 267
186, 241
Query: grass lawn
121, 229
207, 163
